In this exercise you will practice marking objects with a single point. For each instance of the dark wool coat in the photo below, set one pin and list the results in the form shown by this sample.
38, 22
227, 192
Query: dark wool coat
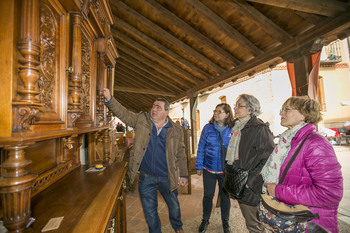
255, 147
314, 178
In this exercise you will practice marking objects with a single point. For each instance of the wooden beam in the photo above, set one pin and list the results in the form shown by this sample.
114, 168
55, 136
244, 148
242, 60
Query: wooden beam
145, 52
326, 28
126, 75
133, 18
157, 68
328, 8
160, 49
143, 91
147, 73
173, 24
221, 25
262, 21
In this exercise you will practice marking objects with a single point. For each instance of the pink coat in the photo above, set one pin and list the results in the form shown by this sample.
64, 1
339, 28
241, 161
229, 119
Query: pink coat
314, 179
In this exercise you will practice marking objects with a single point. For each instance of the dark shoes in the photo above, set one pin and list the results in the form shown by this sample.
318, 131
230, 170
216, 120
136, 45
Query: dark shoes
226, 226
179, 231
203, 227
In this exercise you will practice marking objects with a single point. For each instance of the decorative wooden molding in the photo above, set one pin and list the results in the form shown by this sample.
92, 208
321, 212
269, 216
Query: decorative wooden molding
51, 176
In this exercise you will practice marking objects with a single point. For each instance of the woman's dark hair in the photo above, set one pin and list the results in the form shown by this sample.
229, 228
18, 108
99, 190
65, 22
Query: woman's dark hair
229, 120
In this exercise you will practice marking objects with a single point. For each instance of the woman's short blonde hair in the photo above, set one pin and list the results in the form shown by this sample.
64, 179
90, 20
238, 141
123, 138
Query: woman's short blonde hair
309, 108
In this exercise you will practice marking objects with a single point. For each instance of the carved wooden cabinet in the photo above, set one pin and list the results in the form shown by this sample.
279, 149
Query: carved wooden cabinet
55, 58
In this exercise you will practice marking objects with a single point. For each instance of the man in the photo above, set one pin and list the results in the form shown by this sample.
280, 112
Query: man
346, 129
184, 123
159, 155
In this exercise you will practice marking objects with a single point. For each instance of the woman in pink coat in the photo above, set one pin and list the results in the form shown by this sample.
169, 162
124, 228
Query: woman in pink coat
314, 178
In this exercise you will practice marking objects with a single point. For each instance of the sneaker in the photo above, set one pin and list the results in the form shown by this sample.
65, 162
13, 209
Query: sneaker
226, 226
203, 227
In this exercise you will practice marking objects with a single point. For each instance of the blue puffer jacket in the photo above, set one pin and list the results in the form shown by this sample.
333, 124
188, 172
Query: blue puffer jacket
209, 150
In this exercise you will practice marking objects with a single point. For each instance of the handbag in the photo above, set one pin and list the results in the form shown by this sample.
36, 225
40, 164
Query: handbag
235, 180
278, 216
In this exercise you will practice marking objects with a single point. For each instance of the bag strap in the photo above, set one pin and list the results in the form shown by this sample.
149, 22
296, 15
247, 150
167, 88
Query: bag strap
293, 158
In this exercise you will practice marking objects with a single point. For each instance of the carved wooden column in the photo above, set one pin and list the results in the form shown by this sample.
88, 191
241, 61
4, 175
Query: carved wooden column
100, 86
74, 105
27, 105
15, 190
106, 147
110, 77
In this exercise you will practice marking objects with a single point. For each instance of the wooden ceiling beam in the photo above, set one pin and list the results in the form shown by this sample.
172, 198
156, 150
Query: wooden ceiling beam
132, 17
160, 49
329, 27
262, 21
127, 80
328, 8
184, 32
128, 101
154, 57
143, 91
128, 75
311, 18
221, 25
146, 73
165, 73
155, 76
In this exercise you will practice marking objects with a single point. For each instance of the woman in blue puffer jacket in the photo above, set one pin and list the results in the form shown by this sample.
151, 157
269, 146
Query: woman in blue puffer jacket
211, 160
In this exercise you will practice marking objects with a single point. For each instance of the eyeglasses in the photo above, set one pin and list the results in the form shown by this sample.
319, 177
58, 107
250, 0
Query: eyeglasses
286, 109
218, 111
240, 106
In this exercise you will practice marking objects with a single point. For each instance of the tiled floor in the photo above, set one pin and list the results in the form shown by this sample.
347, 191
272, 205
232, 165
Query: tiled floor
191, 205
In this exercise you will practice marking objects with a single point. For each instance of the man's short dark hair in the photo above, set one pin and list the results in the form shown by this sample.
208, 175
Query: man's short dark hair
166, 103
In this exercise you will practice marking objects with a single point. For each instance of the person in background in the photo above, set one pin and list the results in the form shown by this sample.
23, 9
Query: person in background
250, 146
120, 127
158, 155
314, 179
184, 123
346, 129
210, 162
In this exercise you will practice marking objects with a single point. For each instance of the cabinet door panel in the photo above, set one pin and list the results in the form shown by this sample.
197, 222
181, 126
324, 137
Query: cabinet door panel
51, 83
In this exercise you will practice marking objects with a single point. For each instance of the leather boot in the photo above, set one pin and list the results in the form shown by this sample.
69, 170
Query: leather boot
179, 231
226, 226
203, 227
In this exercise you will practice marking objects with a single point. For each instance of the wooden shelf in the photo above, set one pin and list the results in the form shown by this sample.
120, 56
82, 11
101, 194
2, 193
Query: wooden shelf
86, 200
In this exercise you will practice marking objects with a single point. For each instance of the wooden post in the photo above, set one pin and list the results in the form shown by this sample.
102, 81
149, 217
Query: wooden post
302, 68
15, 189
193, 124
74, 110
27, 106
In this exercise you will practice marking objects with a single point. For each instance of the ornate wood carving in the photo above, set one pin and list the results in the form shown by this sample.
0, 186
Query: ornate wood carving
86, 75
27, 104
106, 147
47, 79
15, 189
74, 105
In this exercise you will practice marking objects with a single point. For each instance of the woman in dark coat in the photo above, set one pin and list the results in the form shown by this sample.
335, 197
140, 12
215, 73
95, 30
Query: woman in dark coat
250, 146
